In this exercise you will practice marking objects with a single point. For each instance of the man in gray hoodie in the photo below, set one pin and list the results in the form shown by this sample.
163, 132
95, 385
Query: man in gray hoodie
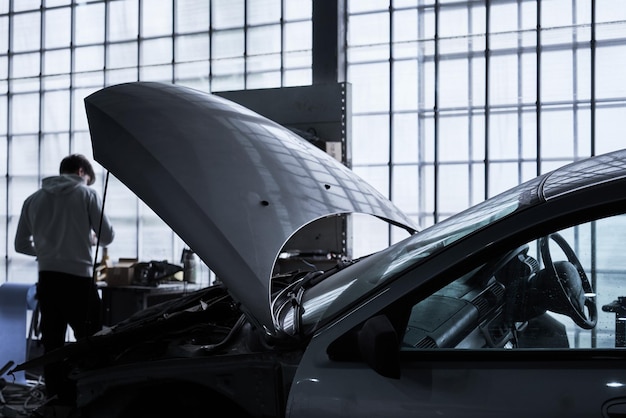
59, 224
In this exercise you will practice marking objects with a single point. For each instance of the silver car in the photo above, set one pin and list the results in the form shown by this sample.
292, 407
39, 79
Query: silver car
515, 307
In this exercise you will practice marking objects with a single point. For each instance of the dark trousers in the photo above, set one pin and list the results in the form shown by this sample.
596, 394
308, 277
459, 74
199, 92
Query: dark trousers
65, 299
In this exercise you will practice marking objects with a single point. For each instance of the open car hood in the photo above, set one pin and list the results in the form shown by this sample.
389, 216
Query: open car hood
232, 184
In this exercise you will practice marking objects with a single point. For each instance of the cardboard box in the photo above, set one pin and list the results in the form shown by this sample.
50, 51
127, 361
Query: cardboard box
121, 273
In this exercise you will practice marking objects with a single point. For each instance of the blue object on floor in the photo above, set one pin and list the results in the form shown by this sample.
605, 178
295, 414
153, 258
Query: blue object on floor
14, 304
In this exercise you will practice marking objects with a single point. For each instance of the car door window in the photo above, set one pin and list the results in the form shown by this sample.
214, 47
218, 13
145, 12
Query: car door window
563, 290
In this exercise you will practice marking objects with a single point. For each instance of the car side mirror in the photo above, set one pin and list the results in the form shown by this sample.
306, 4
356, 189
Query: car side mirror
379, 346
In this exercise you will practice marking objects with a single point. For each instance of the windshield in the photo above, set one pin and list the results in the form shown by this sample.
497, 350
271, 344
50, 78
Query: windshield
332, 295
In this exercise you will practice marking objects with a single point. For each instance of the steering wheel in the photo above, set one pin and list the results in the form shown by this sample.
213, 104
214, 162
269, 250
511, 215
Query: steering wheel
569, 290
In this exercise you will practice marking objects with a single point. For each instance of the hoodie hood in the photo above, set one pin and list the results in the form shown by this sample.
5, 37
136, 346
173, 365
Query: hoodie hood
62, 184
232, 184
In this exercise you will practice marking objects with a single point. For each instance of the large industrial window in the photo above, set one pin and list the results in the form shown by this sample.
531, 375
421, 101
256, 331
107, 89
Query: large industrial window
456, 101
53, 53
453, 101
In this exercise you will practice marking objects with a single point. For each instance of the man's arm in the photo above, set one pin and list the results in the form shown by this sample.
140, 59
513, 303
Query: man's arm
23, 236
100, 222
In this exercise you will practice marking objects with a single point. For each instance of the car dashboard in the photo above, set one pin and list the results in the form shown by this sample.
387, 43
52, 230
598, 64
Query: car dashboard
490, 307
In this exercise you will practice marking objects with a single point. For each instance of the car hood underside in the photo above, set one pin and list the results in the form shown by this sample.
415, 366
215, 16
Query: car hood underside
232, 184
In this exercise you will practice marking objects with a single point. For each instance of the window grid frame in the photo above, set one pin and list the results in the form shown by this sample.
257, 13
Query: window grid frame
107, 77
437, 10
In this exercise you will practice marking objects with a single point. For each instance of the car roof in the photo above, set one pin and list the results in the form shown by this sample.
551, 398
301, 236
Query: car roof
584, 173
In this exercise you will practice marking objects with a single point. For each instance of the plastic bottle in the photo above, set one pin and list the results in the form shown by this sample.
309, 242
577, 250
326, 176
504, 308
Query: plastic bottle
190, 266
105, 257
